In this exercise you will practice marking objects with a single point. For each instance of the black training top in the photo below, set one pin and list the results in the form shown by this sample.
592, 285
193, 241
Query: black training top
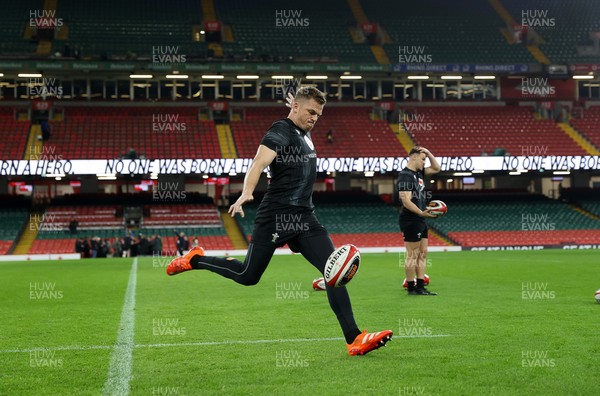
294, 170
409, 180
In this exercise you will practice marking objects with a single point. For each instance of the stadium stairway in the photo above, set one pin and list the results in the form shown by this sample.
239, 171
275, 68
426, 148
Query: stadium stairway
442, 237
44, 47
34, 145
578, 138
226, 142
29, 233
537, 53
360, 16
534, 50
584, 212
403, 137
358, 11
380, 55
233, 230
502, 12
208, 10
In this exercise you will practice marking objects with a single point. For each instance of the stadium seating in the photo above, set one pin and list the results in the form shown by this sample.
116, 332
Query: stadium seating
505, 219
526, 238
14, 135
589, 125
15, 17
368, 222
256, 34
354, 134
114, 28
473, 131
12, 221
449, 32
155, 133
53, 246
199, 220
586, 198
181, 216
573, 21
88, 217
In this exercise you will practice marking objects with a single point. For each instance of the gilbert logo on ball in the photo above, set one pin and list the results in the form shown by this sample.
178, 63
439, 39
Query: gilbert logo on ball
342, 265
437, 207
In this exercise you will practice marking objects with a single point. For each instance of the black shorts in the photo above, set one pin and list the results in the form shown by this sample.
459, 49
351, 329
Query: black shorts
277, 225
413, 231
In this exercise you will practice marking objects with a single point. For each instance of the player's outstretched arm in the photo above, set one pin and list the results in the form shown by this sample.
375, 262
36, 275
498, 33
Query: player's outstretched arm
264, 157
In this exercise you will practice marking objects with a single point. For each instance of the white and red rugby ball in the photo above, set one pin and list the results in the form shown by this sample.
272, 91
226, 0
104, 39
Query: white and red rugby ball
437, 208
342, 265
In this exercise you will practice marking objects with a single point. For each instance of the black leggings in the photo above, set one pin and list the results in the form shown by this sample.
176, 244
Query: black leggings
315, 248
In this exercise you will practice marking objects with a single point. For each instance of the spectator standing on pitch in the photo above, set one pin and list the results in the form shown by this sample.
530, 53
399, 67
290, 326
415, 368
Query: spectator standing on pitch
86, 247
144, 248
157, 245
288, 149
127, 245
411, 187
95, 245
182, 243
117, 247
79, 246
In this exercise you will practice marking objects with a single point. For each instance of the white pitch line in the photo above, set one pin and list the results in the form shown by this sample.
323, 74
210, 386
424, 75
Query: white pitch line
233, 342
58, 348
199, 343
119, 370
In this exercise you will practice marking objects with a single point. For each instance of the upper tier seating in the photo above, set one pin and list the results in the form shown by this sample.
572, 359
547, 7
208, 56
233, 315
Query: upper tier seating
567, 24
114, 28
110, 132
354, 134
15, 16
14, 135
449, 32
472, 131
255, 31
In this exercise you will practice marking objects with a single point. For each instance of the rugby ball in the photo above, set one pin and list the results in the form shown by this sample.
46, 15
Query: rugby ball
437, 208
342, 265
425, 281
597, 296
319, 284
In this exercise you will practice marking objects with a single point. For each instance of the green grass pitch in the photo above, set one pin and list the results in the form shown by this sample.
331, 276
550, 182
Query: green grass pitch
504, 323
